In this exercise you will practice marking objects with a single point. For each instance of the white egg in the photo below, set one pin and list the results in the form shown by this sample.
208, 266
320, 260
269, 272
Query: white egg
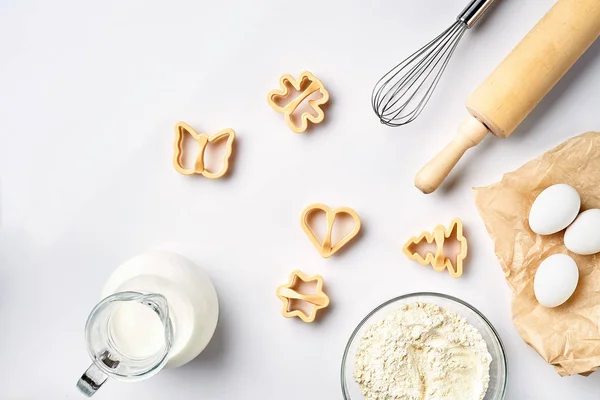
554, 209
583, 237
555, 280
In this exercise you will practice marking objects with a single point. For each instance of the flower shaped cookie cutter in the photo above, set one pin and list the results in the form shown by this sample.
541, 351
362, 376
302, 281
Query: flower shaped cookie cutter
203, 140
306, 84
290, 292
439, 261
327, 248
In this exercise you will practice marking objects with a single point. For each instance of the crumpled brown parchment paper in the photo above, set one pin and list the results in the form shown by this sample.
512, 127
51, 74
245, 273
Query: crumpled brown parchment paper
567, 337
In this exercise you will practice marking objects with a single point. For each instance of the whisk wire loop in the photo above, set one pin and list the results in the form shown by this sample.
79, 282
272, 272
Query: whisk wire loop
402, 93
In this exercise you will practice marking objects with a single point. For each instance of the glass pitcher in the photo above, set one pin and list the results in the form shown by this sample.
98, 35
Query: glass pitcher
129, 336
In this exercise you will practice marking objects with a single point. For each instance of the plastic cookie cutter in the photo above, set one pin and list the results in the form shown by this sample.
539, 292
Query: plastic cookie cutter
326, 248
290, 292
438, 260
203, 140
306, 85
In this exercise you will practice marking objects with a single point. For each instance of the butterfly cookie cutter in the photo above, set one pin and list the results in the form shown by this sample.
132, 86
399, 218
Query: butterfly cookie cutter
439, 261
203, 140
306, 84
326, 248
290, 292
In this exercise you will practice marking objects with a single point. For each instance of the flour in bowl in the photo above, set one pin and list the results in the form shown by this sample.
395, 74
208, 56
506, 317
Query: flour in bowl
422, 351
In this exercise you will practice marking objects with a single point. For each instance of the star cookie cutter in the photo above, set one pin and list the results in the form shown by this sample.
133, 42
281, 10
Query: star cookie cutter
203, 140
306, 84
289, 292
326, 248
439, 261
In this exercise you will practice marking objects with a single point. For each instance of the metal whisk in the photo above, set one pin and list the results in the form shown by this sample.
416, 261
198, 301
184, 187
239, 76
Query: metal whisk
401, 95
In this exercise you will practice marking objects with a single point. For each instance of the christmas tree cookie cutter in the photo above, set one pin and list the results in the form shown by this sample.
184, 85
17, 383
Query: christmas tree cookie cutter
326, 248
290, 292
203, 140
438, 260
306, 84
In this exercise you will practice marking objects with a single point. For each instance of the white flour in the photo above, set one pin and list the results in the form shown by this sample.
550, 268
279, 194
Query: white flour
422, 352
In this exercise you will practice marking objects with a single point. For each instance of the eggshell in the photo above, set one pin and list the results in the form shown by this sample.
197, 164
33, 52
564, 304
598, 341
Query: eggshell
555, 280
554, 209
583, 236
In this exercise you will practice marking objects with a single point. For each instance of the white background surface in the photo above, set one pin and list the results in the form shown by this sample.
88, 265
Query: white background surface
89, 93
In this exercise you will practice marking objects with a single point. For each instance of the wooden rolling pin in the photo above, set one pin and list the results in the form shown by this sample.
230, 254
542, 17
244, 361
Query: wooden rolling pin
520, 82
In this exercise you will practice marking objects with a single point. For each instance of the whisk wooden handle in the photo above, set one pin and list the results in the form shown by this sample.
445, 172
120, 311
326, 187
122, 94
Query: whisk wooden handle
469, 134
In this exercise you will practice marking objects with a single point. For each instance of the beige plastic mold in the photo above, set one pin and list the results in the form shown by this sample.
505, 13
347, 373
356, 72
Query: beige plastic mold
326, 248
290, 291
203, 140
438, 260
306, 84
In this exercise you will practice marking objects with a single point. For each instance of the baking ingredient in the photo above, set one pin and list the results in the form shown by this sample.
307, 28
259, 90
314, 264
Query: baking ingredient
582, 236
137, 330
192, 300
422, 351
566, 340
554, 209
555, 280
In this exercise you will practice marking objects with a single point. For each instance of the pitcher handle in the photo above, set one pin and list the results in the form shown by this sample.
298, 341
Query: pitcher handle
91, 380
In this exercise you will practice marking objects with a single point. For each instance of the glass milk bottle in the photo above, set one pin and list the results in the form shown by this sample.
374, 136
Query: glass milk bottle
159, 310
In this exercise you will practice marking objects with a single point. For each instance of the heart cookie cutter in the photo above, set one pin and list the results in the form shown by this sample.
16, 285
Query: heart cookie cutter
289, 292
439, 261
181, 128
327, 249
306, 84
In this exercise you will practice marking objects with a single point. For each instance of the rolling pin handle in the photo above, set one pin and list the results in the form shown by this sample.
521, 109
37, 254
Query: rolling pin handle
470, 133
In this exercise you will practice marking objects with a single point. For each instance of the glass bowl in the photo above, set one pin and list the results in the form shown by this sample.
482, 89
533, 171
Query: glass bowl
498, 368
